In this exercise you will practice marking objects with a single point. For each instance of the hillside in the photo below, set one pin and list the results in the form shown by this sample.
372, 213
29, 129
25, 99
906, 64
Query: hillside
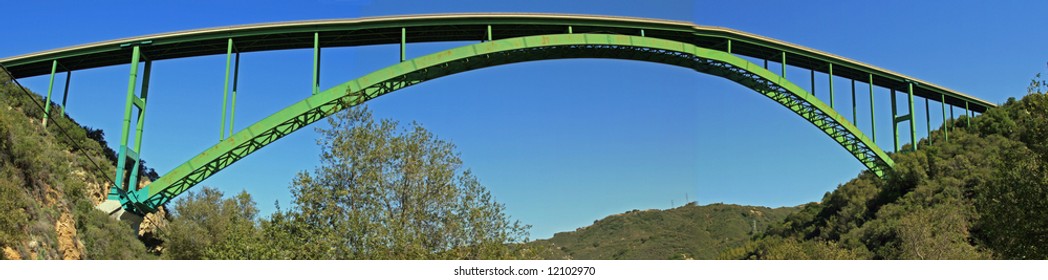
49, 184
982, 194
686, 232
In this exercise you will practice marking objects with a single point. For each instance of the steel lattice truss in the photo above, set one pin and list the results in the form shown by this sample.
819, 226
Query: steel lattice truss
635, 48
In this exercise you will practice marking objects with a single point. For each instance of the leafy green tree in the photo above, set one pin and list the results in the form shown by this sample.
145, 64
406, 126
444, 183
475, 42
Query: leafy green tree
1013, 207
207, 226
383, 192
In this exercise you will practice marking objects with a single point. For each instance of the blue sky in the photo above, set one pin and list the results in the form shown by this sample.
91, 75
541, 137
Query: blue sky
561, 143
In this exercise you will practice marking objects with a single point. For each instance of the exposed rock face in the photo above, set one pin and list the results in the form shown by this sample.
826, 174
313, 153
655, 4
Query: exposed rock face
68, 244
11, 254
148, 230
97, 192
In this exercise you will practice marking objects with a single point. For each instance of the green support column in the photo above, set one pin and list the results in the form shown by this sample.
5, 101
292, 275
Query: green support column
225, 90
141, 103
913, 124
895, 121
855, 106
873, 119
945, 132
122, 151
65, 94
489, 33
570, 31
233, 105
951, 116
316, 62
831, 85
967, 116
729, 45
403, 41
928, 119
783, 65
813, 81
642, 33
50, 85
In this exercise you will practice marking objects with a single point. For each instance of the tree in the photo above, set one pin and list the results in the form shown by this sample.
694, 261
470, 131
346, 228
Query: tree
207, 226
383, 192
1013, 205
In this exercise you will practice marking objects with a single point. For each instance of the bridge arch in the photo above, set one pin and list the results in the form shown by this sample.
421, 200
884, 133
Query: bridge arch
500, 52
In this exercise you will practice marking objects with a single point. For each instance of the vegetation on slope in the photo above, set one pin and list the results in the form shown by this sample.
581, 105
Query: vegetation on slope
981, 194
49, 184
686, 232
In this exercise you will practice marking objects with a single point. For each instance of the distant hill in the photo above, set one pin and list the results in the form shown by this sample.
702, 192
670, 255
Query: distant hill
686, 232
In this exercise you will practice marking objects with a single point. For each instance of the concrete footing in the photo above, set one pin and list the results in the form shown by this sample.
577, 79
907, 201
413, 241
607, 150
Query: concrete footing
117, 212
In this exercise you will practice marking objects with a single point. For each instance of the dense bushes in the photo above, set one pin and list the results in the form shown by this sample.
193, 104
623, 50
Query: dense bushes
982, 194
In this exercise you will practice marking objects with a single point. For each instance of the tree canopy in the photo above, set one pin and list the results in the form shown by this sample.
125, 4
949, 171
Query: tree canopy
380, 192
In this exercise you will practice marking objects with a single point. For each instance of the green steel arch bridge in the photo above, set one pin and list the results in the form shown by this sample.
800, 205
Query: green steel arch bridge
500, 39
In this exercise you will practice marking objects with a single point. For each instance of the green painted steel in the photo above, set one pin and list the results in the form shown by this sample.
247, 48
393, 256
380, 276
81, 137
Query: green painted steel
403, 43
913, 124
225, 90
873, 116
470, 27
812, 82
119, 191
945, 131
895, 121
316, 63
139, 102
855, 106
967, 117
830, 75
928, 119
507, 51
65, 93
50, 85
952, 115
233, 104
458, 27
783, 64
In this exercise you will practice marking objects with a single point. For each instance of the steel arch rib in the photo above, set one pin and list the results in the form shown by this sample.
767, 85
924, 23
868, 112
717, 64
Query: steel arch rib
501, 52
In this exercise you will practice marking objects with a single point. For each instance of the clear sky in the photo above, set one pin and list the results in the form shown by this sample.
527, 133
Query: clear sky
561, 143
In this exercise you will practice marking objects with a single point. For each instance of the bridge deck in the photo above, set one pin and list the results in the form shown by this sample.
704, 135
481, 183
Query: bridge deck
461, 27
